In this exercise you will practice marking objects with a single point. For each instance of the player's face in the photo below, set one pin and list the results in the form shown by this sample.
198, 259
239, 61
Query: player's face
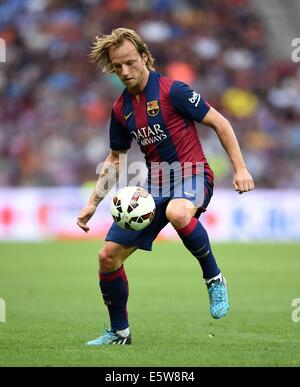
130, 66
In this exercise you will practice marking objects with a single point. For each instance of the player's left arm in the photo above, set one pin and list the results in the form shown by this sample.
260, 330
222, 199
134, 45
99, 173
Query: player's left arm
242, 180
193, 106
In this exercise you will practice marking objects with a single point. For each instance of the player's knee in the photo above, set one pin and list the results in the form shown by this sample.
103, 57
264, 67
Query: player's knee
178, 217
106, 260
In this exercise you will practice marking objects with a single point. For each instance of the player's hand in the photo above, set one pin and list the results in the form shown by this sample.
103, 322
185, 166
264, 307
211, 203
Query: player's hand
84, 216
242, 181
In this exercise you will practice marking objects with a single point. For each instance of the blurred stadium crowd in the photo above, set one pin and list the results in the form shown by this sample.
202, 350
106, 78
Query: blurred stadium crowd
55, 105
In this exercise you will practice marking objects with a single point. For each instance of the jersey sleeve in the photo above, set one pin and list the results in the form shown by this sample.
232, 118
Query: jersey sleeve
119, 137
188, 102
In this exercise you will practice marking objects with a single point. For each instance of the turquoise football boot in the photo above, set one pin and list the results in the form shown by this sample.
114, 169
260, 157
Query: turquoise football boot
110, 337
218, 298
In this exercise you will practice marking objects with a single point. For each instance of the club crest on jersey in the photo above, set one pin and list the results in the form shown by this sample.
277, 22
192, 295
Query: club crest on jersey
153, 108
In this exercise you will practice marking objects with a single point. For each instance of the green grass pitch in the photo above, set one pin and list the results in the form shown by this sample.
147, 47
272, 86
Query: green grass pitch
53, 306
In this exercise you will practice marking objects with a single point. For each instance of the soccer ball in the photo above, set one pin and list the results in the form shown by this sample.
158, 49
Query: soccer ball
133, 208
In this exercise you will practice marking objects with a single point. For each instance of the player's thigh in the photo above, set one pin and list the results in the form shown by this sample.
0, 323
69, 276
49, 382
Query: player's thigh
180, 211
112, 255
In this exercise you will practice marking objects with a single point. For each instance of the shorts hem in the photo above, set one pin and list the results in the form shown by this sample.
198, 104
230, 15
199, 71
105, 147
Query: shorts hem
140, 247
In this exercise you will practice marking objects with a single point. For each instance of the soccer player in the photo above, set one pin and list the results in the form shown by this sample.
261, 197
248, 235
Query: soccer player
160, 114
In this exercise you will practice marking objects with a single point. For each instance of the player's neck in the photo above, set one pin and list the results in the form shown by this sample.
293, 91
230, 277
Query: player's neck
139, 88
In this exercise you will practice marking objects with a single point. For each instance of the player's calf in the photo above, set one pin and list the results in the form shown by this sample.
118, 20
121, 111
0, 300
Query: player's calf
196, 240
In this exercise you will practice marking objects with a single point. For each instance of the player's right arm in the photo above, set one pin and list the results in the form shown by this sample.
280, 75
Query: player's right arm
108, 177
120, 142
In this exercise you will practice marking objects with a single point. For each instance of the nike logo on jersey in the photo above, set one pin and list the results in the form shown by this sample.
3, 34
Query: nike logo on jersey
128, 115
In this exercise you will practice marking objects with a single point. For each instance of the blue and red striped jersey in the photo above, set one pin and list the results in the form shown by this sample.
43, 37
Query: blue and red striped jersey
162, 120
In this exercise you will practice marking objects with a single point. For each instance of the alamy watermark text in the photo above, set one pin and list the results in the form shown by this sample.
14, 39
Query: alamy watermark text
2, 50
296, 311
2, 311
296, 52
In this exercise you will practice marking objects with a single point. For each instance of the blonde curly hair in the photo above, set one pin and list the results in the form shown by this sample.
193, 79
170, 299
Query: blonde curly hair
100, 50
